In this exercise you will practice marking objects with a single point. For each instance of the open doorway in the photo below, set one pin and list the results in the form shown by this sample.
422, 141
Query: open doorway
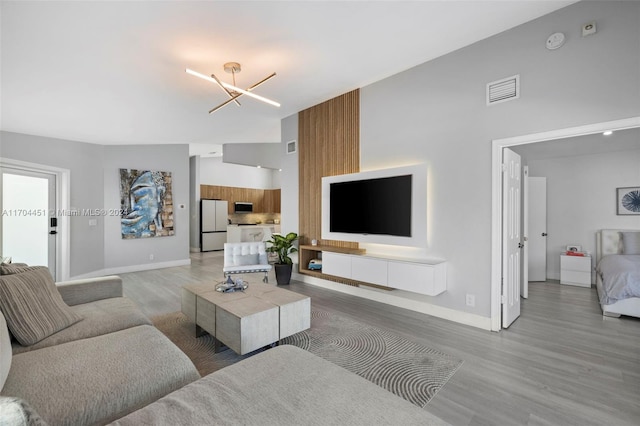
33, 195
497, 285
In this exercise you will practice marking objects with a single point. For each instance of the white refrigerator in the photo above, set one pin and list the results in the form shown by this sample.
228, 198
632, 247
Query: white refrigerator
214, 217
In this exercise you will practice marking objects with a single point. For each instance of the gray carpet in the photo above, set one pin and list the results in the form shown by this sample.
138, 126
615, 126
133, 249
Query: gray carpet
407, 369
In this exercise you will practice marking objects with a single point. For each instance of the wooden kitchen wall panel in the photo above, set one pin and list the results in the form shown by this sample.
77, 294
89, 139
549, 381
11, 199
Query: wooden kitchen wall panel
272, 200
328, 145
232, 194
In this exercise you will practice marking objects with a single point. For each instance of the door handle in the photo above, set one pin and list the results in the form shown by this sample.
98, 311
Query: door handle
544, 234
53, 232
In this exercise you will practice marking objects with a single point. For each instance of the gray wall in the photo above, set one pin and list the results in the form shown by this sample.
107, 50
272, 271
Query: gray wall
581, 198
194, 203
213, 171
85, 164
121, 253
95, 185
289, 177
435, 113
253, 154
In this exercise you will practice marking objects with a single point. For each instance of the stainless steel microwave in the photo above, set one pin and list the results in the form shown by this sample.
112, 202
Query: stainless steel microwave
242, 207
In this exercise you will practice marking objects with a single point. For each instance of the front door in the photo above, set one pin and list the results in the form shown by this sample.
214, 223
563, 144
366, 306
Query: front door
512, 241
28, 205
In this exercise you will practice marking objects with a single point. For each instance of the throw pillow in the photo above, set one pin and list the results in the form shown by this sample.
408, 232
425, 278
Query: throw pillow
245, 259
33, 306
12, 268
630, 242
16, 411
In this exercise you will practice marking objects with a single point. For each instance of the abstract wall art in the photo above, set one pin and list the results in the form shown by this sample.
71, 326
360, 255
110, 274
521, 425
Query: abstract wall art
146, 201
628, 200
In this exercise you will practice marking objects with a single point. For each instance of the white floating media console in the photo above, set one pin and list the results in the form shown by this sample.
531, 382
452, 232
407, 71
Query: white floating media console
426, 277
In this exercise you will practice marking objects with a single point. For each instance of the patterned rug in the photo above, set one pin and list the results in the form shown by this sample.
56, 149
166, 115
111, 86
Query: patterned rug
407, 369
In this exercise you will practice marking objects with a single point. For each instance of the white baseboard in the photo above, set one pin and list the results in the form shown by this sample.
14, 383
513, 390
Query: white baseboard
132, 268
389, 298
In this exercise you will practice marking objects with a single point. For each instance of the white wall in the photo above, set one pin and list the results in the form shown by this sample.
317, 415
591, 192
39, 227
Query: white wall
581, 198
213, 171
134, 254
435, 113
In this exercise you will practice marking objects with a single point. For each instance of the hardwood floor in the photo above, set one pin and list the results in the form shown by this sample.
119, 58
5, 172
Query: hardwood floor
560, 363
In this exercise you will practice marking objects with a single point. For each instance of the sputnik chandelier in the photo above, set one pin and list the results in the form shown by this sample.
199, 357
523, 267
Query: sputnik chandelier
232, 90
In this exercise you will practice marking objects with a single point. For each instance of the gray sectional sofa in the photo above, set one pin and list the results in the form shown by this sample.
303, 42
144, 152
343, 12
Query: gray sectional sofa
114, 366
108, 364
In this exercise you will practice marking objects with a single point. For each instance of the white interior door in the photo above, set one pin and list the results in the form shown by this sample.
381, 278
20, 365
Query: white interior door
524, 284
511, 236
537, 237
28, 204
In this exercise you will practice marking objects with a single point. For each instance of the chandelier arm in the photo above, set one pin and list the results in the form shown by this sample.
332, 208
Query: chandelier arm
233, 99
253, 95
260, 82
224, 88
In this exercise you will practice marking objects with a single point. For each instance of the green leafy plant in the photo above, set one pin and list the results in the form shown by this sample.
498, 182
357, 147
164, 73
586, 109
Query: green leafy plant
283, 246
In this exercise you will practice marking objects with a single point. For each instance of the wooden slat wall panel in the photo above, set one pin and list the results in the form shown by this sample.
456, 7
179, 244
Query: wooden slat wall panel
328, 145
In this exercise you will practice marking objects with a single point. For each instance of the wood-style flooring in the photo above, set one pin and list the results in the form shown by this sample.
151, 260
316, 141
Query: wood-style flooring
560, 363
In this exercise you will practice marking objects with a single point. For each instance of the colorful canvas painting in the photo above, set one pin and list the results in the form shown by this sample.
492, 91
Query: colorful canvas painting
146, 204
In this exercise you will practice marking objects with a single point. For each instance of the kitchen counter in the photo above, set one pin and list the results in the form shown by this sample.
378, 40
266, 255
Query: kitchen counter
247, 233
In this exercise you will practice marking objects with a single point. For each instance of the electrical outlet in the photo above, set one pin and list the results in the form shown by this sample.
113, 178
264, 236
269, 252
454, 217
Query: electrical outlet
150, 257
471, 300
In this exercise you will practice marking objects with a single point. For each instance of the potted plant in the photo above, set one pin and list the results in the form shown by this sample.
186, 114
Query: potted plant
283, 247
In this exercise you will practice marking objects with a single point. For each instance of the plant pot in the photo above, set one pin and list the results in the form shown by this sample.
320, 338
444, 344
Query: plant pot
283, 273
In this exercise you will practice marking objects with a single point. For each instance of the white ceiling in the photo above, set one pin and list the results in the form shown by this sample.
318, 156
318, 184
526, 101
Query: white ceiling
113, 72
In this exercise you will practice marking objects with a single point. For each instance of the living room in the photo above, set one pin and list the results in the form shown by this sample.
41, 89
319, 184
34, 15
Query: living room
432, 113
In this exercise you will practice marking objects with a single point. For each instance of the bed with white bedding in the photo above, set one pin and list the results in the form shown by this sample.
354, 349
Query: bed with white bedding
618, 272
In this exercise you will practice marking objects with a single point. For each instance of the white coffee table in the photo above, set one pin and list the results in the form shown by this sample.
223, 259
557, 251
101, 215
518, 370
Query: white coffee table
245, 321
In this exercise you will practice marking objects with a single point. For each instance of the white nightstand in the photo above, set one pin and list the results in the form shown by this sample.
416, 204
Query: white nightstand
575, 270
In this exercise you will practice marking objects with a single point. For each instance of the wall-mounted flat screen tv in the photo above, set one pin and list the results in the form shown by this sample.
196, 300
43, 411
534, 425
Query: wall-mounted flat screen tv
371, 206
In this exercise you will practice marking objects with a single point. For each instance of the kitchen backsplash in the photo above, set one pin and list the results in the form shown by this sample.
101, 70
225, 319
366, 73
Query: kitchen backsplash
254, 218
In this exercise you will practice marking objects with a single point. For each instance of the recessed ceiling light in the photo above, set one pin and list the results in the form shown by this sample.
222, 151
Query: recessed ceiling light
279, 170
259, 167
608, 133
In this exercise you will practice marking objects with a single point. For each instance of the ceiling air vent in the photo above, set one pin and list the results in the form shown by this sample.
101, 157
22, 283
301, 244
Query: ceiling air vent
506, 89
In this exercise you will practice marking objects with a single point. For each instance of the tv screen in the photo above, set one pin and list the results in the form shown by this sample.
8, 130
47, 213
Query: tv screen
371, 206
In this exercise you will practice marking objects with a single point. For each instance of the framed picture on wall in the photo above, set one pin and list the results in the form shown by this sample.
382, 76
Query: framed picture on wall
628, 200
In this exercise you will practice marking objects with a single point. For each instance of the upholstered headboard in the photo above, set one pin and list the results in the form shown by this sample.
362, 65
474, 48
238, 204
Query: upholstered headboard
609, 241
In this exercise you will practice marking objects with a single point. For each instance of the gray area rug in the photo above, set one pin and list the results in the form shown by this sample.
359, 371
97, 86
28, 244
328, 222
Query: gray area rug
407, 369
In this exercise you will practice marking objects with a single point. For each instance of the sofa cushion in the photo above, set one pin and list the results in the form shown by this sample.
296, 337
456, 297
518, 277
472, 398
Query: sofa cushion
100, 317
33, 306
5, 352
245, 259
100, 379
17, 412
284, 385
13, 268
